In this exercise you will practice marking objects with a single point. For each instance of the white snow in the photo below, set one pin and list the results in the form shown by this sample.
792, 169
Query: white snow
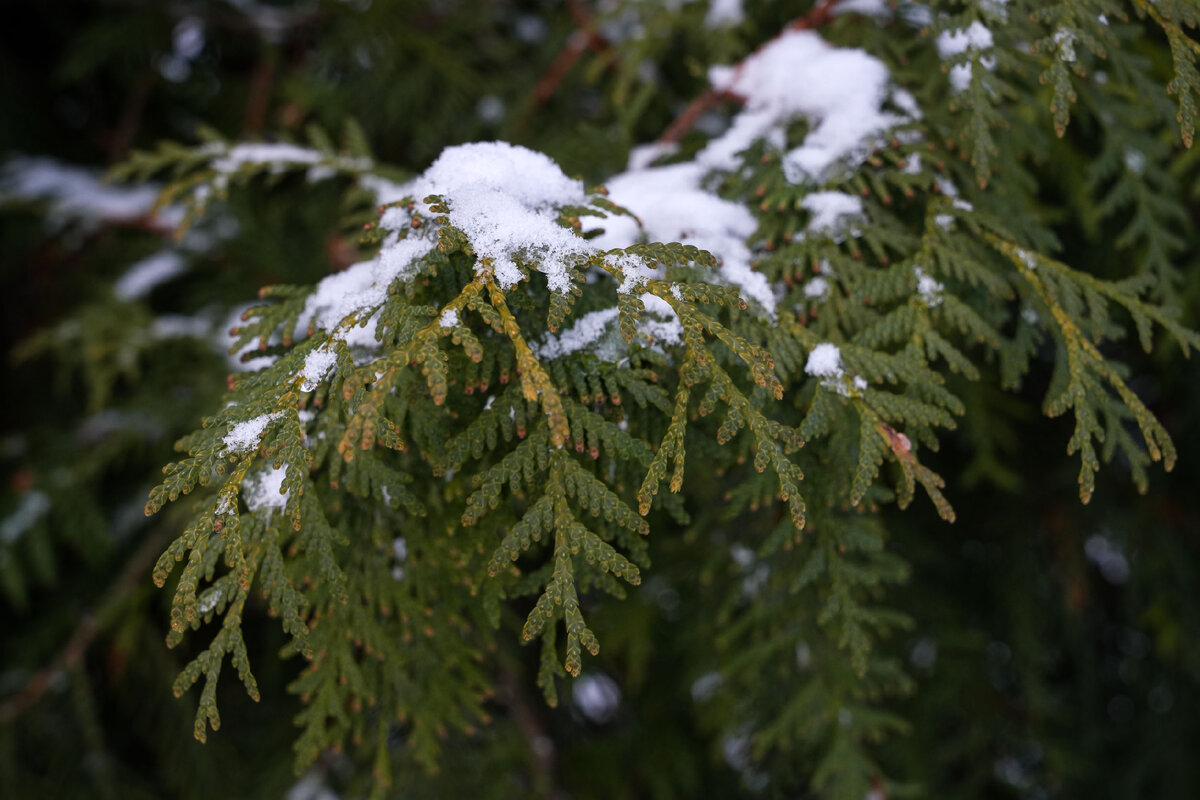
209, 600
490, 109
832, 212
673, 207
504, 198
586, 332
643, 155
825, 361
597, 696
930, 290
449, 318
1108, 557
316, 366
1135, 160
279, 157
241, 155
33, 506
1065, 40
385, 191
974, 37
311, 787
867, 8
841, 91
181, 326
142, 276
818, 287
706, 686
724, 13
636, 272
262, 490
245, 435
80, 195
667, 329
363, 285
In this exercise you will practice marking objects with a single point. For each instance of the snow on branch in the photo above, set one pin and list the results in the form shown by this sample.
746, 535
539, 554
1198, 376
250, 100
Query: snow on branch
81, 196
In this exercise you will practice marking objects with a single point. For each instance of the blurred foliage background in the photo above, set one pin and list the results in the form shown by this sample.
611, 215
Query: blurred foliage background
1057, 651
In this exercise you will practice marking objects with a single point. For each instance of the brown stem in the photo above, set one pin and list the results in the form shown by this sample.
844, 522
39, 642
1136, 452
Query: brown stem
131, 118
90, 623
584, 38
559, 68
820, 14
260, 93
541, 746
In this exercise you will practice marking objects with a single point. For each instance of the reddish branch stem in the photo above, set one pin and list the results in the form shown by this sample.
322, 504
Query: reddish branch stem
819, 15
90, 624
584, 38
558, 69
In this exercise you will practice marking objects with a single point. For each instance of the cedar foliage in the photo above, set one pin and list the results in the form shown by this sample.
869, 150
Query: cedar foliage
704, 521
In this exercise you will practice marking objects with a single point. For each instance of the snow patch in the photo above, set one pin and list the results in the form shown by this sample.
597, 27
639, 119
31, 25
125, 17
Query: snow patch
1065, 40
80, 195
1135, 160
929, 290
587, 331
505, 199
724, 14
181, 326
143, 276
208, 600
832, 212
816, 288
316, 366
245, 435
674, 207
973, 38
841, 91
597, 696
33, 506
263, 489
825, 361
279, 157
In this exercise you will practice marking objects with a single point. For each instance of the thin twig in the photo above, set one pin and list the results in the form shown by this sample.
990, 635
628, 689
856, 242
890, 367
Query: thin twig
819, 15
90, 624
260, 92
131, 118
584, 38
509, 693
558, 69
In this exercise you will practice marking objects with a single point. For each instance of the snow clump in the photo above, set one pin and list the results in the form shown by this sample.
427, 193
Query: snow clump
245, 435
842, 91
973, 38
264, 489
